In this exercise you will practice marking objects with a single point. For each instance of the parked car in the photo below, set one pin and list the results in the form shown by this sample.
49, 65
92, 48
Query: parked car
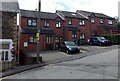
99, 41
69, 47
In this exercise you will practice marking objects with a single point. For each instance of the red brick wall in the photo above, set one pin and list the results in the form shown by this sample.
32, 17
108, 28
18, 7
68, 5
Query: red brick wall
62, 32
23, 22
85, 29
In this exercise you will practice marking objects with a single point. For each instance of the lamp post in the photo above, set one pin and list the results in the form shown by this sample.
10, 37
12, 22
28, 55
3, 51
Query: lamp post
38, 32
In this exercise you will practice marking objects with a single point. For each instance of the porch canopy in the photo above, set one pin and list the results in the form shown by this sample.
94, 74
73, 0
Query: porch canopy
72, 28
43, 31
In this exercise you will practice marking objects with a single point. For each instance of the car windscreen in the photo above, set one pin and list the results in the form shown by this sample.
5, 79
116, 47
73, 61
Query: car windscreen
70, 44
100, 38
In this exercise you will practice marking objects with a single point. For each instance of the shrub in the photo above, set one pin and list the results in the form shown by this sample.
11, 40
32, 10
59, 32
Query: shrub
115, 39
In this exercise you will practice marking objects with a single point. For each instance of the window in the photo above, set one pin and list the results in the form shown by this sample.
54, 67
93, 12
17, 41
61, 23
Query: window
82, 36
82, 23
46, 24
110, 22
58, 24
4, 55
32, 39
70, 21
5, 46
101, 21
49, 39
32, 22
29, 22
92, 20
74, 35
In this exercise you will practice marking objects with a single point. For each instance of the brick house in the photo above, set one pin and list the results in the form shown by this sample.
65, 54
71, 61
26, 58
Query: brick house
99, 23
73, 24
61, 26
51, 30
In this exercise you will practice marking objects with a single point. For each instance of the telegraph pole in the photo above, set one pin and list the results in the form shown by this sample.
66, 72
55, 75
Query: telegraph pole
38, 33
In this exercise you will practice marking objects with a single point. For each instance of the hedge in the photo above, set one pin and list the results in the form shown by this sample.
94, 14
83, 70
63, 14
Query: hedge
114, 38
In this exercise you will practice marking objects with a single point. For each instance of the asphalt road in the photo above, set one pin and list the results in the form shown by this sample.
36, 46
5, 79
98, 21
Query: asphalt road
97, 66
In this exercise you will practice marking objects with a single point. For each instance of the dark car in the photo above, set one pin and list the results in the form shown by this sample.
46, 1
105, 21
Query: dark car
99, 41
69, 47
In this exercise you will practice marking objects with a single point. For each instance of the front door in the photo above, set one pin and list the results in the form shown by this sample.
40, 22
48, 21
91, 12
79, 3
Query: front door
49, 43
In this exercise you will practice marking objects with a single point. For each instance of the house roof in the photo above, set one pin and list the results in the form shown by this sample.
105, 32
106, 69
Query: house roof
9, 7
69, 14
100, 15
43, 15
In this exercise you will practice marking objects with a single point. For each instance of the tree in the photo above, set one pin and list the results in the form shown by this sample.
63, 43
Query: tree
118, 25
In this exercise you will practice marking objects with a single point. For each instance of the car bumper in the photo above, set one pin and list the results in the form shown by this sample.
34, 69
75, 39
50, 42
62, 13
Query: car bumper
75, 51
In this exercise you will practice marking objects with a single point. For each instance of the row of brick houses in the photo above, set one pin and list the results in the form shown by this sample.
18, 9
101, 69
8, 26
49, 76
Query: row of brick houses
61, 26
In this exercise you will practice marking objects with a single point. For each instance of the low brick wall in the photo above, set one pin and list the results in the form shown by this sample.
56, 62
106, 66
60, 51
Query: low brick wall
6, 65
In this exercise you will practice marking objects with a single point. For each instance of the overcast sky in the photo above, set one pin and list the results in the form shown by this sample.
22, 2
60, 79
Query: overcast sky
108, 7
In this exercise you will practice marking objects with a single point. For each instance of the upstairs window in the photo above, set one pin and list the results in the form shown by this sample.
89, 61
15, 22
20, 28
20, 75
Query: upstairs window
92, 20
82, 23
58, 24
110, 22
32, 22
46, 24
101, 21
70, 21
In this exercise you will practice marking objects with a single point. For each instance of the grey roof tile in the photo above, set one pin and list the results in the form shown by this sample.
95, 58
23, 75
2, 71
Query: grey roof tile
100, 15
43, 15
70, 14
9, 6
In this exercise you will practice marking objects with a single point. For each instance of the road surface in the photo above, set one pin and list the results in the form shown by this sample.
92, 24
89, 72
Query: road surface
98, 66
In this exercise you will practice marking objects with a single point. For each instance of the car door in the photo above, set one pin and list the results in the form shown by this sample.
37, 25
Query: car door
95, 41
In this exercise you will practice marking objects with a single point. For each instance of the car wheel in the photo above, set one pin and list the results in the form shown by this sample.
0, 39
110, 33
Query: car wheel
90, 43
68, 51
78, 51
100, 44
60, 50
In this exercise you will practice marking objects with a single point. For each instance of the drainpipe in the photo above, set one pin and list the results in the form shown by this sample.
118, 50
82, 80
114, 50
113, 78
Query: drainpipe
90, 27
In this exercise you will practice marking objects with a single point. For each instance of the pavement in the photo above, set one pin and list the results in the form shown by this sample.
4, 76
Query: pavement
53, 57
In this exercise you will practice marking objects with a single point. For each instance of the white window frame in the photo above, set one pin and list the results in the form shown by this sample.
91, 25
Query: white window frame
101, 21
49, 39
70, 21
82, 22
32, 39
110, 22
92, 20
58, 24
82, 36
32, 22
46, 24
5, 53
74, 34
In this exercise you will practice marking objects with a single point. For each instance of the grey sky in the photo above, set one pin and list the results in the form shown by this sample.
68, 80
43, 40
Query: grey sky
108, 7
